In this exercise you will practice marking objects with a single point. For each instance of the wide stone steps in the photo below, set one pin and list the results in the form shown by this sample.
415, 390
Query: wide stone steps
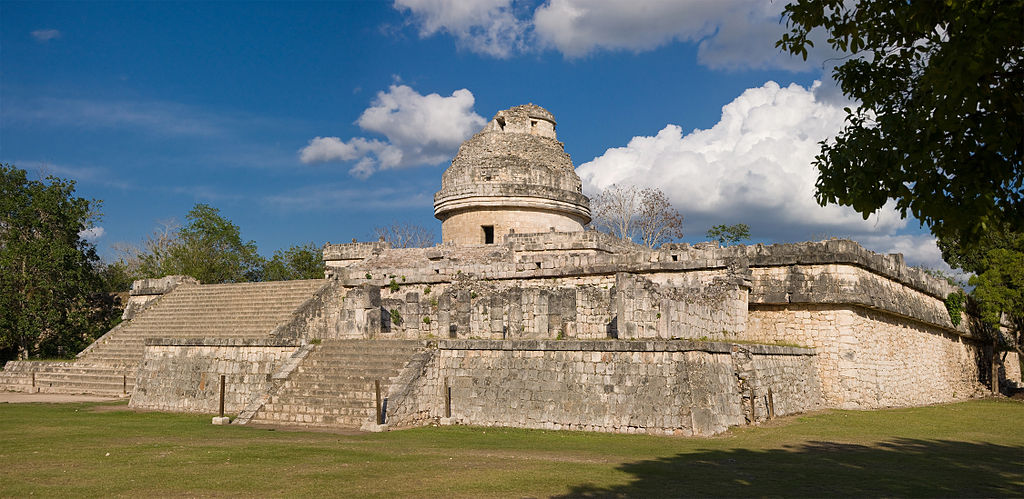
244, 310
73, 379
335, 385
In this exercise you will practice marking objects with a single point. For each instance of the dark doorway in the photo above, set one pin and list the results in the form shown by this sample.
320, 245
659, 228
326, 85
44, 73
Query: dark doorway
488, 234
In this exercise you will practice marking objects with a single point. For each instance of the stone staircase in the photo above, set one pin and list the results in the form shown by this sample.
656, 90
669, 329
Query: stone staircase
243, 310
334, 385
67, 377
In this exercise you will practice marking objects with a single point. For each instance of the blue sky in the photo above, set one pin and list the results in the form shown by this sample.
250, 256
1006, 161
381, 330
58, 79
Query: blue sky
155, 106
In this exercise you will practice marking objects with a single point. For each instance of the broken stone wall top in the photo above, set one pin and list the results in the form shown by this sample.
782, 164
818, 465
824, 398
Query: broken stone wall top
163, 285
353, 251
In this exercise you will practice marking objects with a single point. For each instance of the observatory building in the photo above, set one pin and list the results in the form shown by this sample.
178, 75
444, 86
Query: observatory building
512, 177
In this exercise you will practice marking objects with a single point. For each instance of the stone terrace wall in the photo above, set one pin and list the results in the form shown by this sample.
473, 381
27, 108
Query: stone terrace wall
644, 309
662, 387
184, 375
869, 359
321, 316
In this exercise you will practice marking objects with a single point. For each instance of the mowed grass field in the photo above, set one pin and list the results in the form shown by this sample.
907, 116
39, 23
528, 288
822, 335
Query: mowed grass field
966, 449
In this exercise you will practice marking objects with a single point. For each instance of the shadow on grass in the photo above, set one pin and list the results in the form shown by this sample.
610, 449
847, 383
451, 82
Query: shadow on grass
902, 467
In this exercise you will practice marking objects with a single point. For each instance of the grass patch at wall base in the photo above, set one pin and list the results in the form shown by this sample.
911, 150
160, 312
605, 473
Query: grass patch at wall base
967, 449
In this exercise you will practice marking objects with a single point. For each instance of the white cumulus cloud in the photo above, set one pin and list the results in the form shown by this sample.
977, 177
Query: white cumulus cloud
753, 166
45, 35
418, 130
92, 233
485, 26
732, 34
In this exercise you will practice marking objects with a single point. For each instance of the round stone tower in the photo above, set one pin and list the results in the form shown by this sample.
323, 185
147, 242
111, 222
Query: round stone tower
514, 175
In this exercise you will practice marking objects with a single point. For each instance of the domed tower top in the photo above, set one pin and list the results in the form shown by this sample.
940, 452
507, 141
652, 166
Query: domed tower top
514, 175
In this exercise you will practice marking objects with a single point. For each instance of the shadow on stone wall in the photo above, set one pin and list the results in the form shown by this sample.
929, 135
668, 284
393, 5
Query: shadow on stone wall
902, 467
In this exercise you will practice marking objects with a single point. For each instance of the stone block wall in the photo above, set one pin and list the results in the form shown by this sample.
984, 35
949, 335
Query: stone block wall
184, 375
322, 316
661, 387
870, 359
645, 309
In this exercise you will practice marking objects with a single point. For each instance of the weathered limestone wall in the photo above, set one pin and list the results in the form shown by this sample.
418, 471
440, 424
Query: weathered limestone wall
869, 359
466, 227
322, 316
645, 309
184, 375
663, 387
1011, 369
843, 284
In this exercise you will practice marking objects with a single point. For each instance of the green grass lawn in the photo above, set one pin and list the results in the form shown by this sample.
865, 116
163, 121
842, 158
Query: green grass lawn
967, 449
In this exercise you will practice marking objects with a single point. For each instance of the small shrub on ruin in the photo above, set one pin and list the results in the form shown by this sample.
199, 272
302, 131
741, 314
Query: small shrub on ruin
369, 275
393, 286
396, 317
955, 303
426, 290
426, 320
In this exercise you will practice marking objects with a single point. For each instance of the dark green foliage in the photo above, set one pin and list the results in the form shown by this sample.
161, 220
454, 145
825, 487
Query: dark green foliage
51, 290
729, 234
117, 276
955, 306
939, 128
996, 258
393, 286
209, 247
1000, 288
396, 317
297, 262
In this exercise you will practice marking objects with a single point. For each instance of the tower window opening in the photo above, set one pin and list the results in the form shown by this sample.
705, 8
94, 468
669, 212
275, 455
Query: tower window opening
488, 234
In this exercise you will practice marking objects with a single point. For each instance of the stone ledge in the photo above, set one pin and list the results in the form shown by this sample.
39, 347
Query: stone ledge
621, 346
222, 342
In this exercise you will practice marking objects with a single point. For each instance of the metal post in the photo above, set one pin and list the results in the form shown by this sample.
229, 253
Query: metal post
221, 395
753, 407
124, 384
447, 399
995, 368
771, 404
33, 379
380, 414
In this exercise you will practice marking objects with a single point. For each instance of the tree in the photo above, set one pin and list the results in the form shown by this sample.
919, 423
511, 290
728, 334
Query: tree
51, 298
996, 259
729, 234
628, 213
941, 114
405, 235
297, 262
209, 247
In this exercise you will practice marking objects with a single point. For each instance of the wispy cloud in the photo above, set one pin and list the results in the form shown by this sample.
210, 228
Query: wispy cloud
45, 35
86, 174
160, 118
342, 196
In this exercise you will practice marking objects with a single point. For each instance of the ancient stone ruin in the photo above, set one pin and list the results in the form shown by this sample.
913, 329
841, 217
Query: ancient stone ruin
522, 318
